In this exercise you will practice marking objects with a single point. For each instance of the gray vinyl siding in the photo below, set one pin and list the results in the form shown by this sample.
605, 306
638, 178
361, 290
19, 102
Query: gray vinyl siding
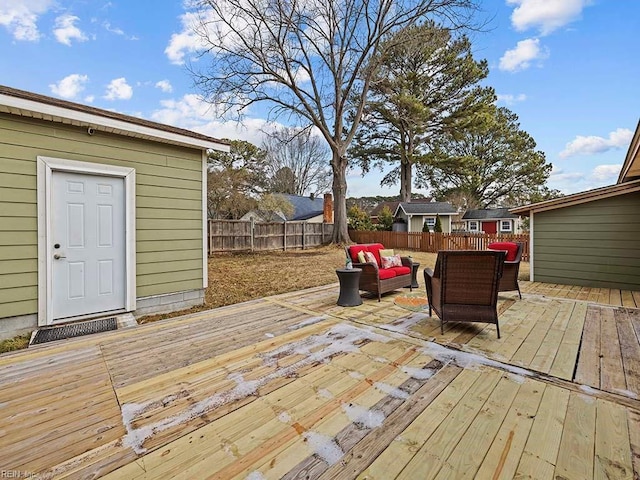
168, 206
595, 244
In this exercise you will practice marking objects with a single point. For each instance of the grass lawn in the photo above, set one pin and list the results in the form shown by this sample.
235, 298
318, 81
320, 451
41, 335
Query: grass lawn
239, 277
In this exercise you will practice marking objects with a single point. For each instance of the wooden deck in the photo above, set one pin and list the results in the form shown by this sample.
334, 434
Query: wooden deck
293, 386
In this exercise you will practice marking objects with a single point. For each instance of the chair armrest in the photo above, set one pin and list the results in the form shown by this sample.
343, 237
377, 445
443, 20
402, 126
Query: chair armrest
428, 271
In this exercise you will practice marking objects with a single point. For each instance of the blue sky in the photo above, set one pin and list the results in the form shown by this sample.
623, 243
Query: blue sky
565, 67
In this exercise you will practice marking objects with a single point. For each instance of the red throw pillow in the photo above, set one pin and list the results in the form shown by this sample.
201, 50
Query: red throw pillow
370, 258
509, 247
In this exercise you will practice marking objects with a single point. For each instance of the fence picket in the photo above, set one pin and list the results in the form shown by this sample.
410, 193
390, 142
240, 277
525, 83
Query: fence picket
241, 235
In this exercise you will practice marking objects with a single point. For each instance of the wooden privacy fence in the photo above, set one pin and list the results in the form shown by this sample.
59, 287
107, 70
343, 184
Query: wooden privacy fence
242, 235
432, 242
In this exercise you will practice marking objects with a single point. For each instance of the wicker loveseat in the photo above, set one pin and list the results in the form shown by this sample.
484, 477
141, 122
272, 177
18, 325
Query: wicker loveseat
374, 278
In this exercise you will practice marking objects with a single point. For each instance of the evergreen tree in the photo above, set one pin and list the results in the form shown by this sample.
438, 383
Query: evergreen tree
427, 86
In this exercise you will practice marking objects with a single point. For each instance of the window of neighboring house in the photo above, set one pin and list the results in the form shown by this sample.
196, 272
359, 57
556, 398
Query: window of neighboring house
431, 222
505, 226
473, 226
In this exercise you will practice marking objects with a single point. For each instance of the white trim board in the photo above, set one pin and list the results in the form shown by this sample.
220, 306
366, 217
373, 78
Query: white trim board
45, 168
53, 112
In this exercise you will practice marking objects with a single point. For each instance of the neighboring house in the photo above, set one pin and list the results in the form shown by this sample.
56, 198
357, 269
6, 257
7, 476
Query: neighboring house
305, 209
392, 206
377, 210
416, 214
102, 213
590, 238
492, 220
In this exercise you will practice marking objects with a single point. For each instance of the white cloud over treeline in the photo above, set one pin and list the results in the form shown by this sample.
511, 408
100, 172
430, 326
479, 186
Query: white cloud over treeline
545, 15
592, 144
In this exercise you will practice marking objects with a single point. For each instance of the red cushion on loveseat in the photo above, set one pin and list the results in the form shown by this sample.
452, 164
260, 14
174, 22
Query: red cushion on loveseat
375, 249
400, 270
353, 252
384, 273
509, 247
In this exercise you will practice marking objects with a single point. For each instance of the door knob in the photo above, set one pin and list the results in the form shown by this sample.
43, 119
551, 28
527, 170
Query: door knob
57, 256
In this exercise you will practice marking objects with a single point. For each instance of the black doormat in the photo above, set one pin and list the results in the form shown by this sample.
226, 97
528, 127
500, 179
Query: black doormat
45, 335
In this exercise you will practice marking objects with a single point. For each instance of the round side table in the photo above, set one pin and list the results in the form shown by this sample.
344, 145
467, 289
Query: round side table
349, 287
414, 275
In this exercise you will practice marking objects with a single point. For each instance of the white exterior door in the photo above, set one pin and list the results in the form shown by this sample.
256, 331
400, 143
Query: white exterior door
87, 244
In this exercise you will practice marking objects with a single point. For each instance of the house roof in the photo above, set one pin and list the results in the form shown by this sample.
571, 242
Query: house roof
305, 207
631, 166
429, 208
488, 214
33, 105
377, 210
579, 198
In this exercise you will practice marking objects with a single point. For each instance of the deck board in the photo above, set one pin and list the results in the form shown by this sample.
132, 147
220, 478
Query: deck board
283, 387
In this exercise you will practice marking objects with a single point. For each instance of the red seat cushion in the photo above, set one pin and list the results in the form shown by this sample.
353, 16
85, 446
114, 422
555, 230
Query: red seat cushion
509, 247
385, 273
400, 270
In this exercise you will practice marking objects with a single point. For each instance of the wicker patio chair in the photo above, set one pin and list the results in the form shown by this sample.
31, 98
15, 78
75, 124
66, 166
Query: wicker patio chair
463, 287
511, 269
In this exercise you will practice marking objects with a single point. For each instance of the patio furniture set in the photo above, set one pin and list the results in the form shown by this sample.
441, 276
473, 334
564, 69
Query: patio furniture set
462, 287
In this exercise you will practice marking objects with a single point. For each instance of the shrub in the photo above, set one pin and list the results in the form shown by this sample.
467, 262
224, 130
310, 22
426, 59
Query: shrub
358, 219
425, 227
438, 226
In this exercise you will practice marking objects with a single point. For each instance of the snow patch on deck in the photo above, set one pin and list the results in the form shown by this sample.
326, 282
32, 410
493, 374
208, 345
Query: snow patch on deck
365, 417
320, 348
324, 447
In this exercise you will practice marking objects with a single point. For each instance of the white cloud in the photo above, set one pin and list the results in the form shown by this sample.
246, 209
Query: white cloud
117, 31
70, 86
107, 26
187, 41
20, 17
192, 113
119, 89
589, 145
520, 58
89, 98
606, 173
545, 15
165, 86
510, 99
66, 30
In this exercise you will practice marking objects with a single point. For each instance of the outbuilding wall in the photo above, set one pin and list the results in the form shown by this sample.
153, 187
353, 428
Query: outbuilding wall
169, 225
595, 244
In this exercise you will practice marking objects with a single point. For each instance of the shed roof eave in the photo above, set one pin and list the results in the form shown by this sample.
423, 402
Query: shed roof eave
16, 102
580, 197
631, 167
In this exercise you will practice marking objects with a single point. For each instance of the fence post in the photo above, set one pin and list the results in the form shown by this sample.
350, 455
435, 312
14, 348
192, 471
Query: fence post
284, 236
304, 224
252, 226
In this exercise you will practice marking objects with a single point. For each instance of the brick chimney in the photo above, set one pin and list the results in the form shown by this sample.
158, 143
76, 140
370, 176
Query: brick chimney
327, 214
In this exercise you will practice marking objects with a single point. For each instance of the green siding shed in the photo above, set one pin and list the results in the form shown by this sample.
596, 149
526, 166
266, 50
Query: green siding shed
169, 171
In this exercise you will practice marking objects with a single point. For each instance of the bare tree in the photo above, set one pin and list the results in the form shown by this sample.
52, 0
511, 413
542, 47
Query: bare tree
311, 59
298, 162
